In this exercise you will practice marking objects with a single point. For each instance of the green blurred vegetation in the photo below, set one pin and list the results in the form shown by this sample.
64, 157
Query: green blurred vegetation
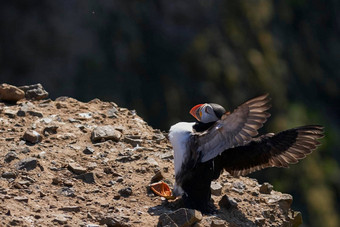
163, 57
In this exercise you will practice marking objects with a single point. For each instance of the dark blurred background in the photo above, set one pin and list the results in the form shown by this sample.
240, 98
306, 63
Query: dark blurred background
162, 57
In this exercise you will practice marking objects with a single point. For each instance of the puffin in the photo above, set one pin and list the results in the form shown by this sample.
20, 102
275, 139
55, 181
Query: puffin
220, 140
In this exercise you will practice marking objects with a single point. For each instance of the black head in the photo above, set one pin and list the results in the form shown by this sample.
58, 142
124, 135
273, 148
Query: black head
206, 115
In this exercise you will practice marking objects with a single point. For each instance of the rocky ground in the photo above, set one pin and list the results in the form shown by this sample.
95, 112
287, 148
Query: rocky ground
69, 163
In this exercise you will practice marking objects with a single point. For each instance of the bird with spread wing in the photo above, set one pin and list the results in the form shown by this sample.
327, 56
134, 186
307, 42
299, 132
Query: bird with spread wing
220, 140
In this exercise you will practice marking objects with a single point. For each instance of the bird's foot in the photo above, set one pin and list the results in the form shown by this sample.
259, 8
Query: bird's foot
210, 209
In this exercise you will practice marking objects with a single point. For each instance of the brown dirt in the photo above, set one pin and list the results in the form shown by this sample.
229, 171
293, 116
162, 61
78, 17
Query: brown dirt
51, 195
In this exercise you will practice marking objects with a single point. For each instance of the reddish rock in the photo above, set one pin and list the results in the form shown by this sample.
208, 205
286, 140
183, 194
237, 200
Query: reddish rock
32, 136
11, 93
107, 132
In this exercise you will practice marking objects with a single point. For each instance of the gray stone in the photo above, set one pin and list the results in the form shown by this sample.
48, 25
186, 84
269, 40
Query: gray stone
112, 113
216, 188
76, 168
125, 192
266, 188
34, 92
42, 154
284, 201
35, 113
152, 162
88, 150
158, 137
113, 221
70, 208
133, 141
9, 113
28, 108
62, 98
32, 136
129, 158
24, 182
11, 93
167, 156
30, 179
157, 177
47, 120
25, 150
60, 219
66, 191
24, 108
106, 132
181, 217
21, 199
10, 156
227, 203
119, 179
87, 178
238, 187
27, 163
91, 165
72, 120
85, 115
9, 175
49, 130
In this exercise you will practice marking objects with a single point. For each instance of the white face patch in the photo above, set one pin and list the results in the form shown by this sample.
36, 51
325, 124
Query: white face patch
208, 114
179, 135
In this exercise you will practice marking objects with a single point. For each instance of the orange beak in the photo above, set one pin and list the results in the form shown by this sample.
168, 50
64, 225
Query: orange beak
196, 112
162, 189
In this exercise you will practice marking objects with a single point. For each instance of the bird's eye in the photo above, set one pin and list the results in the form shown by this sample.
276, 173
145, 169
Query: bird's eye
208, 109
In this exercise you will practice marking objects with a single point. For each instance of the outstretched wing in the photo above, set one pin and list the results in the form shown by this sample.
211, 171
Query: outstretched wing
233, 129
286, 147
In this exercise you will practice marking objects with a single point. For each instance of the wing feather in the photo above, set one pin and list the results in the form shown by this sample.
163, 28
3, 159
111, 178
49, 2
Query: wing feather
233, 129
280, 150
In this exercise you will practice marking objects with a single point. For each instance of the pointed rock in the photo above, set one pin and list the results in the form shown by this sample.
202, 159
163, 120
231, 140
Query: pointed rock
227, 203
34, 92
76, 168
266, 188
181, 217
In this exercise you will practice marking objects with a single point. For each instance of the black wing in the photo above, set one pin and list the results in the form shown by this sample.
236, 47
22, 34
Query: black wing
286, 147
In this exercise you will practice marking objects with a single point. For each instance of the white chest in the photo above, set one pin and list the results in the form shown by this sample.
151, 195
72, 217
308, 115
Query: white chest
179, 136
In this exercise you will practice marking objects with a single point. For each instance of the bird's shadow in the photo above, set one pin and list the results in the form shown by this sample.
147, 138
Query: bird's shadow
232, 215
